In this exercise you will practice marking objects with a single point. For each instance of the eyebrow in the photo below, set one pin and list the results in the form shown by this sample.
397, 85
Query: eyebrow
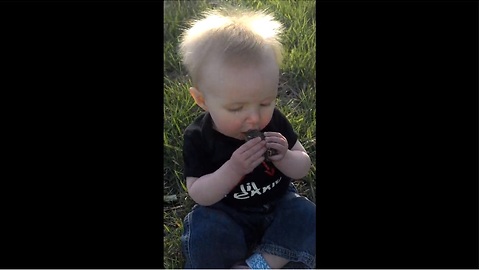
236, 103
241, 103
268, 98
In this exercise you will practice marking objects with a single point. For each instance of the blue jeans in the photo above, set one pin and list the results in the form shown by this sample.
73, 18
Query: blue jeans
218, 236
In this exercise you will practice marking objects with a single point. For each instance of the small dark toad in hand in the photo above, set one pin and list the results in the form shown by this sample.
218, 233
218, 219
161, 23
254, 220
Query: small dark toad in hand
253, 133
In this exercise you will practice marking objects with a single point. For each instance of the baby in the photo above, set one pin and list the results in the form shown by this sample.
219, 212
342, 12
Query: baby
241, 154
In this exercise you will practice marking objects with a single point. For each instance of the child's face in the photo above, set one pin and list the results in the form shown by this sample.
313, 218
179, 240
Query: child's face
240, 97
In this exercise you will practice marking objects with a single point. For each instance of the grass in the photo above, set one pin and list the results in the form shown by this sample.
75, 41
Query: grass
296, 100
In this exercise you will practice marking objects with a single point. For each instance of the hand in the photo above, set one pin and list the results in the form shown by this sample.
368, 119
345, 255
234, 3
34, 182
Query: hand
278, 142
248, 156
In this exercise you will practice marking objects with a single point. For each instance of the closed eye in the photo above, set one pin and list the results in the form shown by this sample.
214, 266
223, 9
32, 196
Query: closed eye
234, 109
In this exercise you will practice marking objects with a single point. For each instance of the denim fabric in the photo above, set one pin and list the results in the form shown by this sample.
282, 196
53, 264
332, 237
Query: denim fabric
218, 236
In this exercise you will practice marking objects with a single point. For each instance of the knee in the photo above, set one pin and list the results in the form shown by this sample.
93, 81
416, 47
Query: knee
300, 206
298, 211
211, 228
212, 239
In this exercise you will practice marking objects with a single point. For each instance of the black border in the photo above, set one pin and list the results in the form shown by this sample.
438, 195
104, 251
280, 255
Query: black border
398, 134
83, 115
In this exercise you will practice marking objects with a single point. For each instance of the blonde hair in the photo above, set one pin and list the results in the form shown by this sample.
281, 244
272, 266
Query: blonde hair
232, 33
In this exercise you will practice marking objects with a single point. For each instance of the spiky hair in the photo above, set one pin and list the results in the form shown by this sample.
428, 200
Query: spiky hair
230, 32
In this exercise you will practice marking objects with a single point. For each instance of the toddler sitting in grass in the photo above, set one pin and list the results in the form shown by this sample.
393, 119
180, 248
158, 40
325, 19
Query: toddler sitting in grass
247, 213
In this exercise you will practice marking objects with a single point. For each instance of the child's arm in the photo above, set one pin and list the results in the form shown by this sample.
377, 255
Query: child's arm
294, 163
211, 188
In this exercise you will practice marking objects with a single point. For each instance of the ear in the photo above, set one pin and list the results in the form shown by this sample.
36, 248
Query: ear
198, 97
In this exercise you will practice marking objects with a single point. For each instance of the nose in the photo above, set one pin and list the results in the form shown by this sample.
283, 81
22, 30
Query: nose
253, 117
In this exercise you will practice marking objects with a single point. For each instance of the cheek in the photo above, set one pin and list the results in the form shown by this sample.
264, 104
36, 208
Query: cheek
226, 123
266, 118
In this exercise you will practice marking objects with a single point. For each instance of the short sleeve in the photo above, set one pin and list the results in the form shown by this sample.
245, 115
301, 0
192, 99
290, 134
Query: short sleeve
281, 124
193, 154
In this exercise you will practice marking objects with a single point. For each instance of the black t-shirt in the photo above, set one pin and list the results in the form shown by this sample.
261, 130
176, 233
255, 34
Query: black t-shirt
205, 150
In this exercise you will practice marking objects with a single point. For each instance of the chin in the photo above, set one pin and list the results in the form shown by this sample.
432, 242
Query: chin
239, 137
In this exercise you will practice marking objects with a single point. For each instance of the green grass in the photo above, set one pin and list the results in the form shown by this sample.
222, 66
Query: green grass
296, 100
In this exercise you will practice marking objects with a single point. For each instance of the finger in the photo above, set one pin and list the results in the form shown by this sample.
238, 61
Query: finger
257, 154
258, 161
248, 145
272, 134
277, 149
254, 149
275, 157
276, 146
275, 139
277, 143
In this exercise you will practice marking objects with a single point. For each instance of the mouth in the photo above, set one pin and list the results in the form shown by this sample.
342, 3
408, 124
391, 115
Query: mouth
253, 133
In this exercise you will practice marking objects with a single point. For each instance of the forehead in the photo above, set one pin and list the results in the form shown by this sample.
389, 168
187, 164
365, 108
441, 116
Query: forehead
221, 70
